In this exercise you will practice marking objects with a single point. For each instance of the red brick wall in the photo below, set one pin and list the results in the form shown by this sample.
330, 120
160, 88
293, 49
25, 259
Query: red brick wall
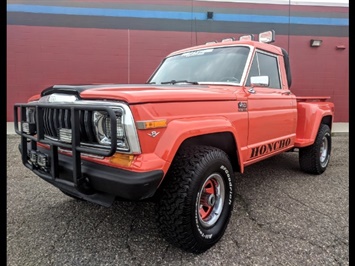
38, 57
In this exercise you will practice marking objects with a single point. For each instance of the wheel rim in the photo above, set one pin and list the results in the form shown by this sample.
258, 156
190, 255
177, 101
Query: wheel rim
210, 200
323, 152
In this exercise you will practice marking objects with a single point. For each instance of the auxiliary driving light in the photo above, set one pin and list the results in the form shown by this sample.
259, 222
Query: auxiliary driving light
33, 156
228, 39
65, 135
42, 159
249, 37
267, 36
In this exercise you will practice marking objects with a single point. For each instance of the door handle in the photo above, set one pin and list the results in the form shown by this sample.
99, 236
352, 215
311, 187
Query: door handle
251, 90
286, 93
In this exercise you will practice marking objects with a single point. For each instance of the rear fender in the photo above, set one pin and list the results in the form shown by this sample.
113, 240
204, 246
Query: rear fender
310, 116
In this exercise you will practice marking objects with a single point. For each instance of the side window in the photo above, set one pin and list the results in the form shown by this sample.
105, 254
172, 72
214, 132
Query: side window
265, 65
254, 70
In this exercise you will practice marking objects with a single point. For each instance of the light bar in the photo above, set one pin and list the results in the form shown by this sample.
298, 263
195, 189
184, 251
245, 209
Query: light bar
267, 36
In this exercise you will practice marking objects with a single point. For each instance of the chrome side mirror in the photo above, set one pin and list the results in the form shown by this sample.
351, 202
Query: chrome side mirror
259, 81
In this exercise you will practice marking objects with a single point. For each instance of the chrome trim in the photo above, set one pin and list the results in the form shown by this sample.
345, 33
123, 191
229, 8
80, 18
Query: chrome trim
58, 98
128, 121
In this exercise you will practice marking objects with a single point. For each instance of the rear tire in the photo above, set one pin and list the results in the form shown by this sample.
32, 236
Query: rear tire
196, 198
314, 159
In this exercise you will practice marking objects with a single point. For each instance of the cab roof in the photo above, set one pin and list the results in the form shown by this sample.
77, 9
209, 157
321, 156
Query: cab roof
259, 45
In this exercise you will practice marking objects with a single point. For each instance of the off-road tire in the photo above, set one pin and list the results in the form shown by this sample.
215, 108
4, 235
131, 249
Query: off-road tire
314, 159
197, 198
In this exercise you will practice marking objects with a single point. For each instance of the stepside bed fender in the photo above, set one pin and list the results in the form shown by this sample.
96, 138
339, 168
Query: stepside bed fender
310, 116
181, 130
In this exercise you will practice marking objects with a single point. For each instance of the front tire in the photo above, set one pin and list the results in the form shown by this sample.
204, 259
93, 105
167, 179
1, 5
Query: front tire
196, 198
314, 159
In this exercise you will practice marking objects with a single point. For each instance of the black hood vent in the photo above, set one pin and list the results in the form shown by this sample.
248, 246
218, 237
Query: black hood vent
72, 89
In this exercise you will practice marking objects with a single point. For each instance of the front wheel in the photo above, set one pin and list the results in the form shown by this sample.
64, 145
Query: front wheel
314, 159
196, 198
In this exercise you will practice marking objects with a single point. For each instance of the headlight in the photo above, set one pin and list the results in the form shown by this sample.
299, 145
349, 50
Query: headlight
102, 129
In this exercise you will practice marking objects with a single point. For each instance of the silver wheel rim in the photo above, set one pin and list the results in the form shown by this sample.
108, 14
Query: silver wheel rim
210, 200
323, 152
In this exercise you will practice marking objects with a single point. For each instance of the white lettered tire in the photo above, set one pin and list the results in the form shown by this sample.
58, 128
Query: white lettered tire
196, 198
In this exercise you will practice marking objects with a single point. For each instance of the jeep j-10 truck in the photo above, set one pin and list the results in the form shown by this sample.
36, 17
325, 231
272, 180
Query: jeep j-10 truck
205, 114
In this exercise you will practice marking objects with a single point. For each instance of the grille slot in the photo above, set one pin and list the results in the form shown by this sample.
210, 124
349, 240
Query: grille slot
89, 126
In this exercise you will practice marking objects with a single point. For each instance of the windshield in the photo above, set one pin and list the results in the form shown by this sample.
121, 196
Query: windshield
221, 65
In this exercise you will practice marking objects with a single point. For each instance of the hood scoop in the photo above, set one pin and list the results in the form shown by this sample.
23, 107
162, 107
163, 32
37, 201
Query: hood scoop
72, 89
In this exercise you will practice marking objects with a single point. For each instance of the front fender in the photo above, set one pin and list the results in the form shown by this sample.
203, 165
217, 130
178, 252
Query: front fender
181, 129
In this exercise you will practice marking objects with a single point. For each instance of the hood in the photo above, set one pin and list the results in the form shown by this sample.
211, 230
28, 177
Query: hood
147, 93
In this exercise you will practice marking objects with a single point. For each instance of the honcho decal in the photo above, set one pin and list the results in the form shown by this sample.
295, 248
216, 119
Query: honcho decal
270, 147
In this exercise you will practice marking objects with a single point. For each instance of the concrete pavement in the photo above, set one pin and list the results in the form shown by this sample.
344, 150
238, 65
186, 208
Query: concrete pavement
281, 216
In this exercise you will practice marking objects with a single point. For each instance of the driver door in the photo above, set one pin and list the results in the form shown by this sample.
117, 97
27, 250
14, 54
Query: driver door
272, 109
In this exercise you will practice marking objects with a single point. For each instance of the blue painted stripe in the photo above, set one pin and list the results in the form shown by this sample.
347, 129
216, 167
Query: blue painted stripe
105, 12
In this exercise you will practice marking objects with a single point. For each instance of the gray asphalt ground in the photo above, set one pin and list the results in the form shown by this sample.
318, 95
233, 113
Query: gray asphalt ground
281, 216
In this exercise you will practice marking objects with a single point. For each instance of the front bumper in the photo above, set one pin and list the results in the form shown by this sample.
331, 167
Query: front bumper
98, 183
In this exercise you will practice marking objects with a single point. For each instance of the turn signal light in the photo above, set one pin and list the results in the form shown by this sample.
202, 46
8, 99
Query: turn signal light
122, 159
151, 124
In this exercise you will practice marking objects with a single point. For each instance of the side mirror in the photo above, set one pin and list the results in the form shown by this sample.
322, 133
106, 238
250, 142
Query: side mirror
259, 81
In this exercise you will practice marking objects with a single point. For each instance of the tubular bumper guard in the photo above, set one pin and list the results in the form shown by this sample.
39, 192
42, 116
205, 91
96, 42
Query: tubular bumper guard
84, 179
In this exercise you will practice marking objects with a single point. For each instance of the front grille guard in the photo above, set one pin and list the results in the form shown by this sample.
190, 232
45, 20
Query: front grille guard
76, 145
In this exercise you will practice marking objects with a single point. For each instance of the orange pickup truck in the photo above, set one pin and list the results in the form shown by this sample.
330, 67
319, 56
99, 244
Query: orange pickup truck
205, 114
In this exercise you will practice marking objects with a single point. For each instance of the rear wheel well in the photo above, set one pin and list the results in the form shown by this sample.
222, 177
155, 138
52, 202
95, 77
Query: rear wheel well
327, 120
221, 140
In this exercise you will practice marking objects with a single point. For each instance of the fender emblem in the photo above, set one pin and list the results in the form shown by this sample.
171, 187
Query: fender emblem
153, 134
242, 106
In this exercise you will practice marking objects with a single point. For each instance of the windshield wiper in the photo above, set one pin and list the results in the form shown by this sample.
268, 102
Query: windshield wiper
179, 81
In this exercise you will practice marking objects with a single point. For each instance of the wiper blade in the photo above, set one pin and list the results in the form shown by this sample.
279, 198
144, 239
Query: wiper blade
179, 81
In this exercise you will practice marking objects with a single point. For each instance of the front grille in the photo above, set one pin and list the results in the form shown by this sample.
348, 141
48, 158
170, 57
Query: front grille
55, 119
74, 122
